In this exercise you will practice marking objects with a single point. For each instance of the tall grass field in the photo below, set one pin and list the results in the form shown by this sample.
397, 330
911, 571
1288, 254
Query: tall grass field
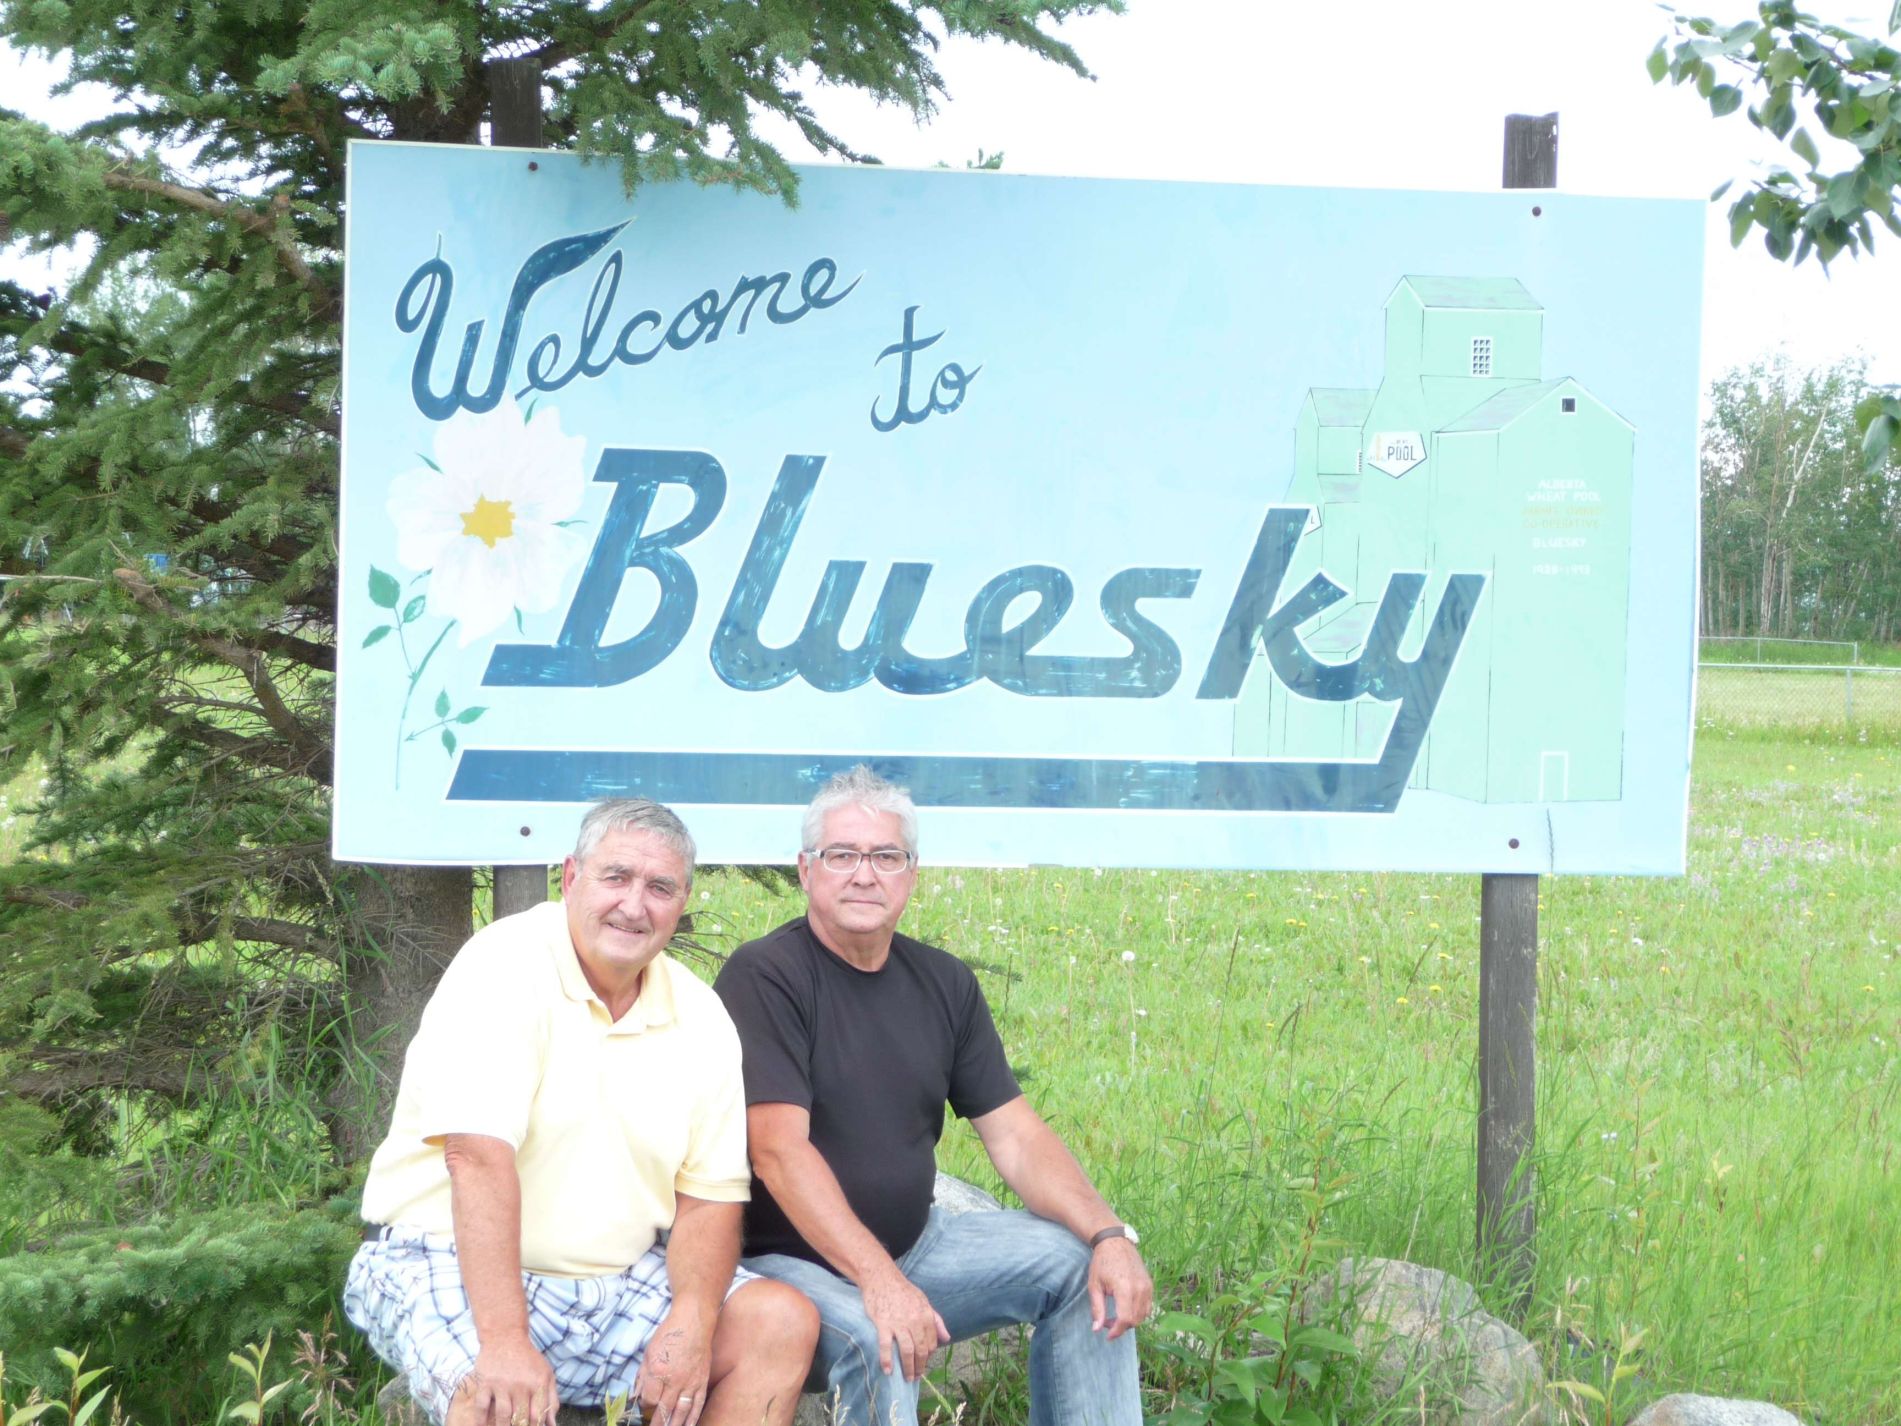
1257, 1067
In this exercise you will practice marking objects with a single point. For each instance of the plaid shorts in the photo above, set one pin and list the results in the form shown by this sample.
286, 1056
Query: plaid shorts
405, 1293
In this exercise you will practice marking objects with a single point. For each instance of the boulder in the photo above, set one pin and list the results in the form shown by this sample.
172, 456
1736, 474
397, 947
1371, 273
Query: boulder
953, 1195
1430, 1346
1686, 1409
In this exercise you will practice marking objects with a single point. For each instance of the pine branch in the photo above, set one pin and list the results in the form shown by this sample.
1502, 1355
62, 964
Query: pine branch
307, 750
192, 929
296, 405
256, 752
248, 218
68, 1076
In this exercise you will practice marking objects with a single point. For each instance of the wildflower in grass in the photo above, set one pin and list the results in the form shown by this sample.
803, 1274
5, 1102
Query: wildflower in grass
1432, 925
1434, 990
1445, 955
1402, 1001
1128, 958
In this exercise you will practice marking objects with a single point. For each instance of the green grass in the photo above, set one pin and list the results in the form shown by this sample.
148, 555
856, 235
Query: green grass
1719, 1082
1718, 1094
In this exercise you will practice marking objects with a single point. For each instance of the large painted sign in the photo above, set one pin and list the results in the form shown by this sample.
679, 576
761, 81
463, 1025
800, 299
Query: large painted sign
1126, 523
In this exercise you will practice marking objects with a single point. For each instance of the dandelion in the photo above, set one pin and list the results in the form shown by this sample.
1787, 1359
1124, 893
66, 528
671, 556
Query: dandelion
1143, 1014
1869, 988
1434, 990
1402, 1001
1432, 925
1445, 955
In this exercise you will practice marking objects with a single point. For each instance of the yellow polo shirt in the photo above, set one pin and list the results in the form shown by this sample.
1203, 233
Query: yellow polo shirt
608, 1119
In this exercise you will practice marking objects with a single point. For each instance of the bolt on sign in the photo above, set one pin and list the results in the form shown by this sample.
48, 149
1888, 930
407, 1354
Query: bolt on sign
1127, 523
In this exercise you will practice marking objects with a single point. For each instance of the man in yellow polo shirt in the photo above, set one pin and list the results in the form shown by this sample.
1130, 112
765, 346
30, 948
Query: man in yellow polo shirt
555, 1213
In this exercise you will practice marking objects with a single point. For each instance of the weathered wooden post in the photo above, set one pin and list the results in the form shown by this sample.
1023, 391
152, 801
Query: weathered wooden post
514, 94
1508, 952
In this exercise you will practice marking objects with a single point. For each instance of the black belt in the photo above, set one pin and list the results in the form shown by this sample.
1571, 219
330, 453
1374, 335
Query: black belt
375, 1232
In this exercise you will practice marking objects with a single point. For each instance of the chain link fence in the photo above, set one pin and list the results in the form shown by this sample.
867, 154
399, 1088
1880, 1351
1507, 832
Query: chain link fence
1798, 695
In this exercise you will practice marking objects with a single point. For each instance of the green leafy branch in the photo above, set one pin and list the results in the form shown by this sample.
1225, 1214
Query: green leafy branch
1851, 84
1848, 81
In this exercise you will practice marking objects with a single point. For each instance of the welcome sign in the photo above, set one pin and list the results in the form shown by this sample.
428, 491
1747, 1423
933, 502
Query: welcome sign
1126, 523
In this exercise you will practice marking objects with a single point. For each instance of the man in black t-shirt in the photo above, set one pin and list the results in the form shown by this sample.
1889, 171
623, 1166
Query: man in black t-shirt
855, 1038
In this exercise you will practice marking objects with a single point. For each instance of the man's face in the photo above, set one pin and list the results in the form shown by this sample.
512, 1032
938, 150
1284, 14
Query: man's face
623, 903
862, 904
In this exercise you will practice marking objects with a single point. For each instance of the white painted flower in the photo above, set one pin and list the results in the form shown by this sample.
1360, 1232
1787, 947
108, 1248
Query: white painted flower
486, 519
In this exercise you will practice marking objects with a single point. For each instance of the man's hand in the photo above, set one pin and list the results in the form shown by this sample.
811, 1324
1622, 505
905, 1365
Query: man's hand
510, 1385
904, 1315
671, 1387
1116, 1270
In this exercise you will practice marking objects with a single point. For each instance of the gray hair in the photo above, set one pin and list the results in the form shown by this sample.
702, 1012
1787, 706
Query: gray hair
635, 814
863, 788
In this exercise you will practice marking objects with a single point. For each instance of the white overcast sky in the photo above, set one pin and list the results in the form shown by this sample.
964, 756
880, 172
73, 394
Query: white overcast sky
1382, 94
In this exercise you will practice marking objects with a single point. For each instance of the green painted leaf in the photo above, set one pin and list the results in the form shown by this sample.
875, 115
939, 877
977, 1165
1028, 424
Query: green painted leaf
378, 634
448, 740
442, 704
469, 715
412, 611
426, 461
384, 590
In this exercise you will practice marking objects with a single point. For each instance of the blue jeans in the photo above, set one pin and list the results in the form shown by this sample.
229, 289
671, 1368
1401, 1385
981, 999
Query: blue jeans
981, 1271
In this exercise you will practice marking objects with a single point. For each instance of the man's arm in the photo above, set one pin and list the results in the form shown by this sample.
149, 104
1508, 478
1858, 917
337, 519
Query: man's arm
702, 1252
511, 1380
1042, 1172
803, 1184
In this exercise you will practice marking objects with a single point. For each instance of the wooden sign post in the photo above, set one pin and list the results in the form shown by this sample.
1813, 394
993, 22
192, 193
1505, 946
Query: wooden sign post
514, 92
1508, 953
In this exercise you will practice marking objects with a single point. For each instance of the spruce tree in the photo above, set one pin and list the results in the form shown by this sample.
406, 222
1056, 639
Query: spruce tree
168, 477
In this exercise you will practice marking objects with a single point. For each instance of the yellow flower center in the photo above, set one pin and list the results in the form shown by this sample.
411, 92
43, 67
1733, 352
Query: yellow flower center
489, 521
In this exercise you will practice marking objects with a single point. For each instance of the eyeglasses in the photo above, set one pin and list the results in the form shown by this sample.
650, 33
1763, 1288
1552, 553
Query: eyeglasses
886, 861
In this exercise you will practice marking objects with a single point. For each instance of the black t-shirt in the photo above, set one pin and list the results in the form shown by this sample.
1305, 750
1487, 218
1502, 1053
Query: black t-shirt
874, 1056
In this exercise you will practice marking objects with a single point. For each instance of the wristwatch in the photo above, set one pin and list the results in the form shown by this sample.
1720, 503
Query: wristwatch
1119, 1230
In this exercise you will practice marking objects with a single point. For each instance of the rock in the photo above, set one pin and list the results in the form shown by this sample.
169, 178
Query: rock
1424, 1331
1686, 1409
953, 1195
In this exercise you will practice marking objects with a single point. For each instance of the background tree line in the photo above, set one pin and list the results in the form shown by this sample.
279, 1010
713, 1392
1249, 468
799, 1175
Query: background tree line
1801, 534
